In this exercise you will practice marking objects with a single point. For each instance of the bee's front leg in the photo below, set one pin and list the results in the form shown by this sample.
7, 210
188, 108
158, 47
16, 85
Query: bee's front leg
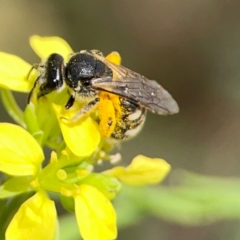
84, 110
70, 102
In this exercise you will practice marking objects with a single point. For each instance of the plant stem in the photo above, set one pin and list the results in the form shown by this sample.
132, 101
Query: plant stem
12, 107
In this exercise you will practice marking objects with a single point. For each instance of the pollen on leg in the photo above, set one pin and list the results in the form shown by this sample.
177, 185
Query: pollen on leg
107, 116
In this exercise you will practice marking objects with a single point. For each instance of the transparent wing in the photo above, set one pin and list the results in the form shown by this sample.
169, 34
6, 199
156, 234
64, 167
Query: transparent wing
135, 87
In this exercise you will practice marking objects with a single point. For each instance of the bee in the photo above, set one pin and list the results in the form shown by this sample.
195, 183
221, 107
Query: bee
121, 95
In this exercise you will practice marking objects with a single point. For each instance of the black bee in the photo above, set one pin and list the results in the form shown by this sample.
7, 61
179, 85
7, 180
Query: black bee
90, 76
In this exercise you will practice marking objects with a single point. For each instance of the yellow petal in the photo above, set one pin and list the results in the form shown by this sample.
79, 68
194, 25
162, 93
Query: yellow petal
114, 57
142, 170
20, 153
44, 46
82, 136
95, 214
14, 72
36, 219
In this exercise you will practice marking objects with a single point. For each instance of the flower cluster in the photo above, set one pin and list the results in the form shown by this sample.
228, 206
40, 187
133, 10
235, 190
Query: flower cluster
76, 148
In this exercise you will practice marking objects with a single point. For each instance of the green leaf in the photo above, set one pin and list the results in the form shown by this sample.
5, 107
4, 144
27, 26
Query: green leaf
127, 214
201, 200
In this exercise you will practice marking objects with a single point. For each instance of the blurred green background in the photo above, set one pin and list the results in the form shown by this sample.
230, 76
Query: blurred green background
191, 47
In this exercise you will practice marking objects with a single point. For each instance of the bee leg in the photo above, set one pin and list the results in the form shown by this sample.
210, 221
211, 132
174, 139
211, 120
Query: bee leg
70, 102
86, 109
49, 86
31, 92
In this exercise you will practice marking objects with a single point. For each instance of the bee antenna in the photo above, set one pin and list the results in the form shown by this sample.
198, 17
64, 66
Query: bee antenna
34, 66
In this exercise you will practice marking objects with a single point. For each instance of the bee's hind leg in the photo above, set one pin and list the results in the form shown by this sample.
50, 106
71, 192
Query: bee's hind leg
84, 110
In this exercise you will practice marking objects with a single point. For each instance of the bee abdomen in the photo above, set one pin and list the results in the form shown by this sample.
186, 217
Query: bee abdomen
131, 121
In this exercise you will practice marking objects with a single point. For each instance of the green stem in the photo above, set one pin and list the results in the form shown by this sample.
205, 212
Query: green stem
12, 107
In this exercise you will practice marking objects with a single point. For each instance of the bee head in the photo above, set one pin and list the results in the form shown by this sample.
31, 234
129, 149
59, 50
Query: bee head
51, 73
82, 67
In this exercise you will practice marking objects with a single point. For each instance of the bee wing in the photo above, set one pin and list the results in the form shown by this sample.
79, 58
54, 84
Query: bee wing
138, 89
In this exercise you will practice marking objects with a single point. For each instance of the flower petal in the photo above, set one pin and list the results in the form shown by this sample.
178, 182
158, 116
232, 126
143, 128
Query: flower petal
20, 153
95, 215
44, 46
14, 72
142, 170
36, 219
82, 137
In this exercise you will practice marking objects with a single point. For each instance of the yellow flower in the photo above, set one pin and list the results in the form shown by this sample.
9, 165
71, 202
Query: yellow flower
44, 46
95, 214
22, 156
35, 219
142, 170
69, 172
20, 153
82, 137
14, 72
